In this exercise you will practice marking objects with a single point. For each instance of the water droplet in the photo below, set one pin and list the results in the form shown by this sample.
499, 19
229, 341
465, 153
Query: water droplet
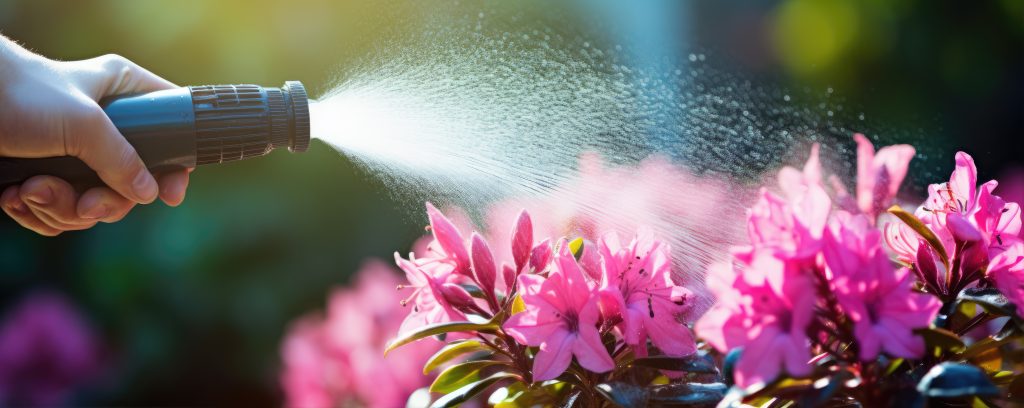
693, 57
861, 116
785, 98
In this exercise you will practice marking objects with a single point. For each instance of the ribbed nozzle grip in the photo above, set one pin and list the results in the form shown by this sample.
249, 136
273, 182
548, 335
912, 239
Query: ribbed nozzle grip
233, 122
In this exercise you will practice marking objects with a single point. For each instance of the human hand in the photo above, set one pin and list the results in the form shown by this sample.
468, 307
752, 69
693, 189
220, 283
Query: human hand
50, 109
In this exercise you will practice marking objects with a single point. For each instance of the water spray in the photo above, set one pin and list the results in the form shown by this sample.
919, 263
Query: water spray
186, 127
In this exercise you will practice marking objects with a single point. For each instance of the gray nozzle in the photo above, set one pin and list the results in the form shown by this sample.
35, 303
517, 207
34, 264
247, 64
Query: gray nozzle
186, 127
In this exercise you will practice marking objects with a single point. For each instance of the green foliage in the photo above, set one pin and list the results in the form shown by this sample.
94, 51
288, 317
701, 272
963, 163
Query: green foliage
441, 328
956, 380
470, 390
681, 395
451, 351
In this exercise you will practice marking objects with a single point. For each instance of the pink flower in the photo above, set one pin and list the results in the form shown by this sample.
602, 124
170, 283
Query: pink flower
561, 318
637, 279
903, 241
311, 376
337, 358
1006, 271
436, 293
880, 174
968, 213
790, 230
657, 193
795, 183
878, 298
767, 315
46, 351
447, 237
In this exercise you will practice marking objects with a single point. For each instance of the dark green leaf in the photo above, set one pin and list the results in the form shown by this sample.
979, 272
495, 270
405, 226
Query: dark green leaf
956, 380
440, 328
681, 395
729, 365
457, 397
450, 351
991, 299
915, 224
474, 291
690, 364
824, 389
456, 376
940, 338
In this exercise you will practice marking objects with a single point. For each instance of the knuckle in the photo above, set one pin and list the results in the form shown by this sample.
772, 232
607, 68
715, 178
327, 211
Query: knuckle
113, 62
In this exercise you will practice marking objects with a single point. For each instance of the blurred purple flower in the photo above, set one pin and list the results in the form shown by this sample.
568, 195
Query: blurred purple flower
47, 350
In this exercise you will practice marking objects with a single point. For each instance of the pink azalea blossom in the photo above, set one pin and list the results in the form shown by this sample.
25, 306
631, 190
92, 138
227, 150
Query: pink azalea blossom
960, 210
795, 183
1006, 271
768, 319
880, 174
452, 247
337, 358
637, 279
561, 318
47, 350
656, 193
903, 241
879, 299
435, 296
790, 230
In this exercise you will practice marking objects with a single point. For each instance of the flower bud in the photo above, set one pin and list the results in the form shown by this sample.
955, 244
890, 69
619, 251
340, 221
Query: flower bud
508, 275
540, 255
522, 239
456, 296
484, 270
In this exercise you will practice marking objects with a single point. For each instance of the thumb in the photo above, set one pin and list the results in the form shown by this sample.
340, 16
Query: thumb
92, 137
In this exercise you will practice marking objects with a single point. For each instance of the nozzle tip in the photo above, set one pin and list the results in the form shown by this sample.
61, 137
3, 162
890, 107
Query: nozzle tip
300, 113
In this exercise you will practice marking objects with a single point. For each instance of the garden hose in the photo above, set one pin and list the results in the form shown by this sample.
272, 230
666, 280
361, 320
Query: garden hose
185, 127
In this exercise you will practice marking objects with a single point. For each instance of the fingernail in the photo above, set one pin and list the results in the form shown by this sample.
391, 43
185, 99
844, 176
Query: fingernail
40, 196
96, 212
144, 185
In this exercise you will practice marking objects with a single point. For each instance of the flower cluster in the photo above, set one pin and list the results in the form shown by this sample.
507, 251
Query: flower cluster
561, 312
335, 359
815, 294
47, 351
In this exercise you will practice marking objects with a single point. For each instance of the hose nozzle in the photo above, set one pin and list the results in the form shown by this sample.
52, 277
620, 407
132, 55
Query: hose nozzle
186, 127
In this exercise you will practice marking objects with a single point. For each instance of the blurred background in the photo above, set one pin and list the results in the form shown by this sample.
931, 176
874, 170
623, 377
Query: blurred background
187, 306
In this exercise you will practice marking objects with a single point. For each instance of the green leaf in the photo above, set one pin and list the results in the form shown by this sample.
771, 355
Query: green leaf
729, 364
941, 339
468, 391
450, 351
440, 328
690, 364
915, 224
956, 380
576, 246
989, 298
693, 394
824, 389
456, 376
